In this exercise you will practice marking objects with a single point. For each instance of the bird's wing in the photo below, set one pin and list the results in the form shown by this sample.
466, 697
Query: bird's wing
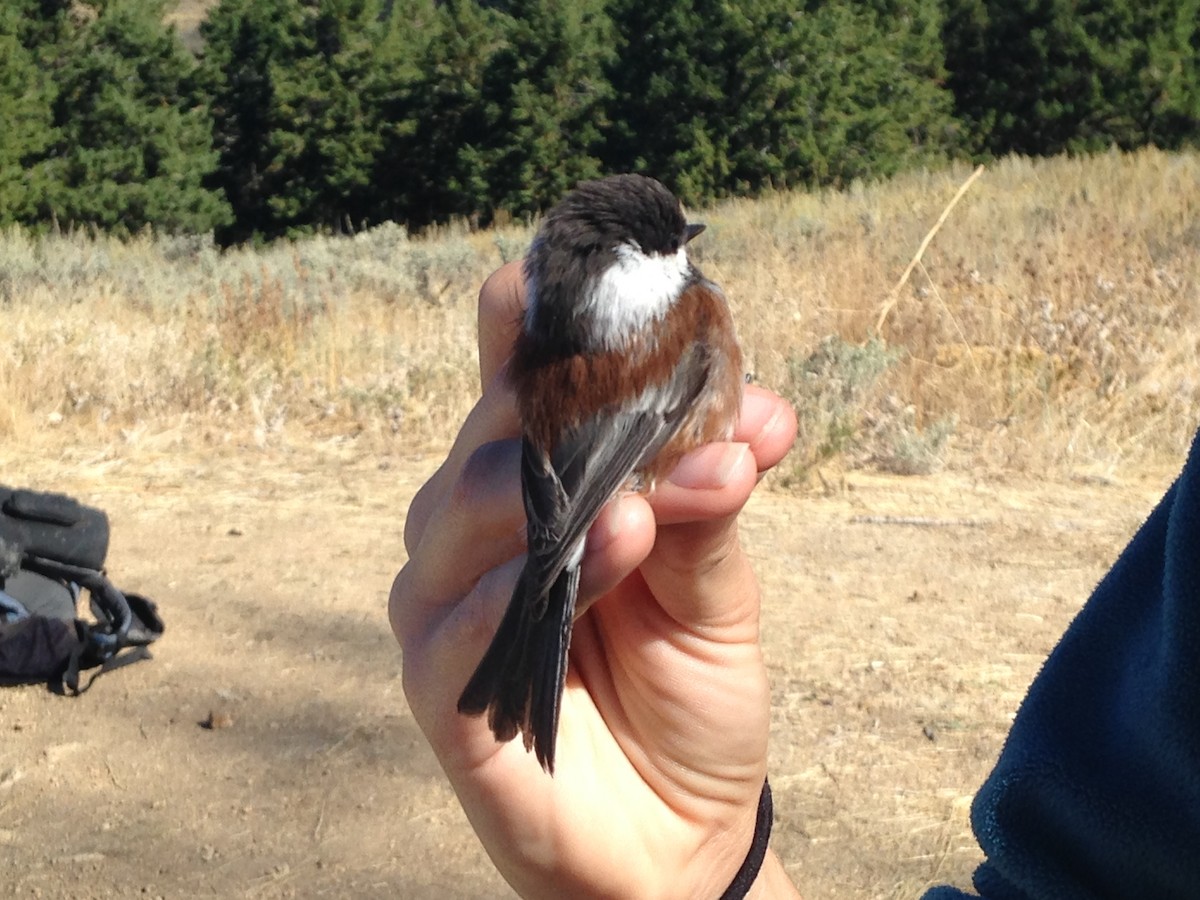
565, 491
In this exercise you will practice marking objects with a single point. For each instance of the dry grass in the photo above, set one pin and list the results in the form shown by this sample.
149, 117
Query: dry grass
1053, 322
1054, 318
170, 342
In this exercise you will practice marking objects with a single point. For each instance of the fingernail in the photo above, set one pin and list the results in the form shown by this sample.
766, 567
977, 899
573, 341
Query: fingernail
768, 426
754, 405
709, 468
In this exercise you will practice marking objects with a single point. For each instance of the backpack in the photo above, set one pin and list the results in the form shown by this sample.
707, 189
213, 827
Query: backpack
52, 548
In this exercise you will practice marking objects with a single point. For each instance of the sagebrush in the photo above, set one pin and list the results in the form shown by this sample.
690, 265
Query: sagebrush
1053, 321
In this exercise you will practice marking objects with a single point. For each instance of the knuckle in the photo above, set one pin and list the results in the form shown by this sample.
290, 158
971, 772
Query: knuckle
501, 291
398, 606
483, 476
415, 521
486, 602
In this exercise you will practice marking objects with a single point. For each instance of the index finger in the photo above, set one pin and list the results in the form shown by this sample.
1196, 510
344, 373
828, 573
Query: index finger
501, 307
501, 304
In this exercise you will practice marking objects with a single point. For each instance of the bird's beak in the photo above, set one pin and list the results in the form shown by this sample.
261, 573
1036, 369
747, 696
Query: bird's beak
691, 231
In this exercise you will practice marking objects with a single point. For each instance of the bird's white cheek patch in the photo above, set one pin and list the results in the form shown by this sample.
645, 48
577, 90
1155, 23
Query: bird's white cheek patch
635, 291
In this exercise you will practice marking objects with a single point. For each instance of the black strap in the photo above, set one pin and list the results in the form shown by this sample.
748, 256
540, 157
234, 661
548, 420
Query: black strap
745, 876
111, 601
124, 622
70, 678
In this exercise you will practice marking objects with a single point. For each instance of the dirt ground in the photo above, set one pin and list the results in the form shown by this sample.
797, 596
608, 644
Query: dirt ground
904, 619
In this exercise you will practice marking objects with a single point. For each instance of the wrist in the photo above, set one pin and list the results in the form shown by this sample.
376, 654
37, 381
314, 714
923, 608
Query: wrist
772, 882
748, 873
762, 876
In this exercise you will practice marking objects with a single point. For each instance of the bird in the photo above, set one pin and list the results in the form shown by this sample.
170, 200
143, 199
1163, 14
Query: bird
626, 359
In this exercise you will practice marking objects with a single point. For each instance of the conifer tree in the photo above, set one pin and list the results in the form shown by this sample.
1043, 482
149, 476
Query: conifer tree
295, 88
1046, 76
327, 132
874, 73
969, 67
28, 132
541, 89
736, 97
242, 40
1159, 92
430, 169
700, 89
132, 146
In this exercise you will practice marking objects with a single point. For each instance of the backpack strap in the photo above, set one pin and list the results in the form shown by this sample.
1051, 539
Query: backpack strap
111, 603
70, 677
122, 622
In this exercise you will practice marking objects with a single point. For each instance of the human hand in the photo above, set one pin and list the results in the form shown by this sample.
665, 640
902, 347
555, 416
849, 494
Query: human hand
663, 730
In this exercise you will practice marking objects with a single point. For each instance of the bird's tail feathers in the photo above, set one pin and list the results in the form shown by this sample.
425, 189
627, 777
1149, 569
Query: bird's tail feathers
519, 682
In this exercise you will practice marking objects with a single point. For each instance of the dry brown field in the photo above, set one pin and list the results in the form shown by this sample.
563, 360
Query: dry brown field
256, 423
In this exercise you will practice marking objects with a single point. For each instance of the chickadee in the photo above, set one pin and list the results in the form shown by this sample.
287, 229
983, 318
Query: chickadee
626, 360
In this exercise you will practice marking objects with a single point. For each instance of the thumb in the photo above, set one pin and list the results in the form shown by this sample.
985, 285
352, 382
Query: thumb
501, 305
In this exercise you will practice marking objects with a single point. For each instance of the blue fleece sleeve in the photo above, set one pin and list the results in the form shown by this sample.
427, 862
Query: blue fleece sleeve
1097, 790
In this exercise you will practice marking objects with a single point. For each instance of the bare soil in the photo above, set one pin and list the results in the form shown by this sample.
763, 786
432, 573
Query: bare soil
904, 619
